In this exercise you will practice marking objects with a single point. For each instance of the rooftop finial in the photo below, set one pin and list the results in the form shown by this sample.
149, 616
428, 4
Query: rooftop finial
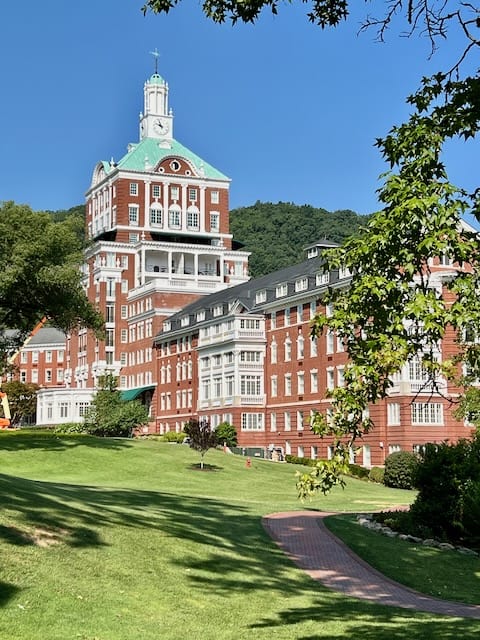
156, 55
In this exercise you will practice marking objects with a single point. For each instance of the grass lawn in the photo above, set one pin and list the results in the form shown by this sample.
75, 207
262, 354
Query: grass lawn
125, 540
442, 574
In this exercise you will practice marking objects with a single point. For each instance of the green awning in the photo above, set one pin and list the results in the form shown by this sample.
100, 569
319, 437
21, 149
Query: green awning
131, 394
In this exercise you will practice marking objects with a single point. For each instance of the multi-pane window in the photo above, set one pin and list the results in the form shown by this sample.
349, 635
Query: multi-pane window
156, 215
274, 386
273, 352
288, 350
250, 356
133, 189
300, 347
217, 386
330, 341
229, 385
301, 284
110, 313
287, 420
174, 218
174, 193
34, 356
286, 317
192, 195
133, 214
273, 320
250, 385
313, 382
330, 379
48, 356
273, 422
340, 376
24, 357
48, 375
393, 413
192, 218
214, 197
300, 383
427, 413
156, 190
281, 290
214, 221
252, 422
313, 347
288, 384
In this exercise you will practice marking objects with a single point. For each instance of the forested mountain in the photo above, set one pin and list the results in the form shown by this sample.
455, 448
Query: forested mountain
277, 234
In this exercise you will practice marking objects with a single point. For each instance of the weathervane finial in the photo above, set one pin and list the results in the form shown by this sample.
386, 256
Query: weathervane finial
156, 55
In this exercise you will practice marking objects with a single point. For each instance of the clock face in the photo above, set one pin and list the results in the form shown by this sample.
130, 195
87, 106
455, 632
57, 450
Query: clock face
161, 126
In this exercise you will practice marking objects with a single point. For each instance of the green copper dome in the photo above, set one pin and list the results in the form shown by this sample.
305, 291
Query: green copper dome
156, 79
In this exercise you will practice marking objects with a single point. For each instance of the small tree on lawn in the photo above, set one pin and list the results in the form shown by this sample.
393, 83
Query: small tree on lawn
202, 437
22, 399
109, 415
226, 434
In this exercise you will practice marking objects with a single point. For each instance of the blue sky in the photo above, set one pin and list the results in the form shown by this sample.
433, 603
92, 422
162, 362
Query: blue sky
289, 112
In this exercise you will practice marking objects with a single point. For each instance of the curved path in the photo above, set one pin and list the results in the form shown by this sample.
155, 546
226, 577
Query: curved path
306, 540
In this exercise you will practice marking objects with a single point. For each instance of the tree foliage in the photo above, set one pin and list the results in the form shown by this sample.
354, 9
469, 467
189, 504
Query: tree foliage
277, 234
226, 434
109, 415
22, 399
202, 437
39, 276
394, 308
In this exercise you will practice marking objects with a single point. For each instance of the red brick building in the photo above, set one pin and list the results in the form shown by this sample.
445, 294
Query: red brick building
158, 221
245, 356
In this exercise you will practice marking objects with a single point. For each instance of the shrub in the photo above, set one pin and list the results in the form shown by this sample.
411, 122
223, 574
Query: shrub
376, 474
448, 480
173, 436
307, 462
400, 469
358, 471
70, 427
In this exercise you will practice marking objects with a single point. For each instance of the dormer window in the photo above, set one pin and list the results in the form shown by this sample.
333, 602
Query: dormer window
260, 296
201, 316
301, 284
281, 290
167, 325
344, 272
185, 321
217, 310
322, 277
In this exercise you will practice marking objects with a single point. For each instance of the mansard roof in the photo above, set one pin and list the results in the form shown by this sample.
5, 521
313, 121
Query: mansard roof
244, 295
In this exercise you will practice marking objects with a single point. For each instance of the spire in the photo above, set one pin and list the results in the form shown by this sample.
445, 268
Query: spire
156, 55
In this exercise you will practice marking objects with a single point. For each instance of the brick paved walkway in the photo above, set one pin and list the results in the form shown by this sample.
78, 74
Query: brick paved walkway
305, 539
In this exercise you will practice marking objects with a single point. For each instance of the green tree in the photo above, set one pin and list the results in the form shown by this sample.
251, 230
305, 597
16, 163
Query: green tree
39, 277
110, 416
22, 399
226, 434
202, 437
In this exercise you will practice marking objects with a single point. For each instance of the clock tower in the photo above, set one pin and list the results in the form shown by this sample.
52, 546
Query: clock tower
156, 121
